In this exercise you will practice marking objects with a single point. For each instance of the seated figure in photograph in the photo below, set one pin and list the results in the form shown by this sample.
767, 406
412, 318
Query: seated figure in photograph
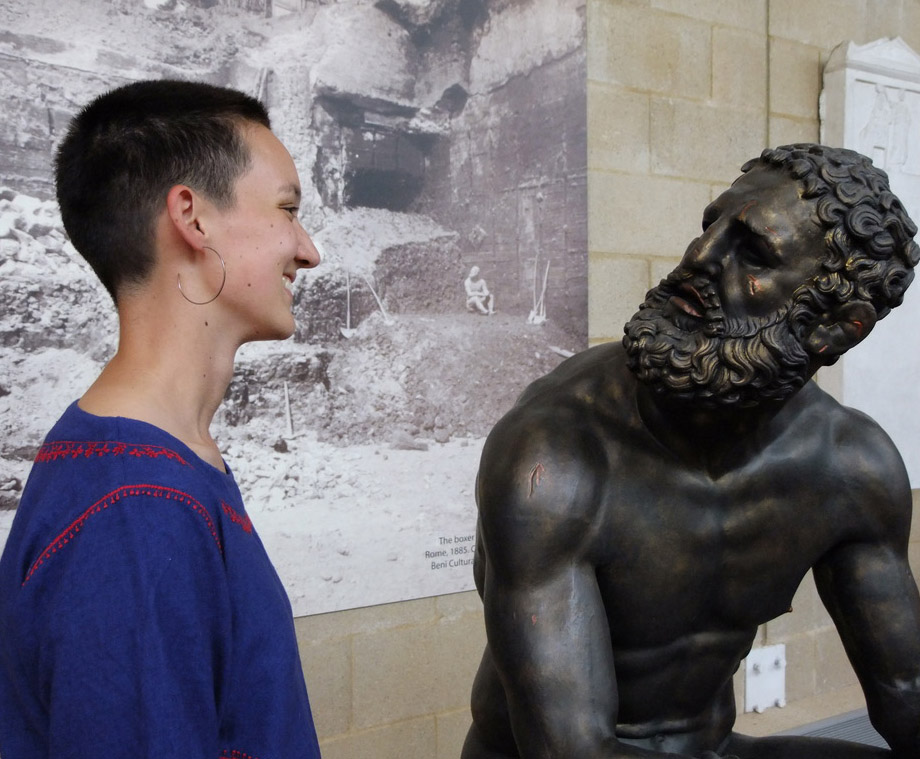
645, 507
140, 615
478, 296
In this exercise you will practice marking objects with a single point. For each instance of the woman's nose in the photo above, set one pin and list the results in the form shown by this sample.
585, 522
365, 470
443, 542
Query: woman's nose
308, 253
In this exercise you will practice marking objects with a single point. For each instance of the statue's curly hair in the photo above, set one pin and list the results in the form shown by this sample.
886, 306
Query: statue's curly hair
870, 252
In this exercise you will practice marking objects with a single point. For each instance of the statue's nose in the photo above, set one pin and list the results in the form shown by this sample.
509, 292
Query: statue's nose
706, 253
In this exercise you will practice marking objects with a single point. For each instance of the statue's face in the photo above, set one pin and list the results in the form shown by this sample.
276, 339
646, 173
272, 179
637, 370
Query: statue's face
716, 330
760, 242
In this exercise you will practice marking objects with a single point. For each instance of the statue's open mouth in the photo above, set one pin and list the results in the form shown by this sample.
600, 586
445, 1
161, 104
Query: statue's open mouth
689, 301
685, 306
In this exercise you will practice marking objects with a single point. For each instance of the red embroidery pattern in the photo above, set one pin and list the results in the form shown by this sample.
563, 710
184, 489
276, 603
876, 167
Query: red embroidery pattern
113, 498
72, 449
234, 754
242, 520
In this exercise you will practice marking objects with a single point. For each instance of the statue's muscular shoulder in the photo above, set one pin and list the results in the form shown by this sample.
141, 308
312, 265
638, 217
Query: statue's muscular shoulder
851, 455
592, 386
841, 440
566, 416
546, 461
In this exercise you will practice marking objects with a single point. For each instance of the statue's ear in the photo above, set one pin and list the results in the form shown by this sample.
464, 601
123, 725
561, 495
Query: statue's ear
833, 334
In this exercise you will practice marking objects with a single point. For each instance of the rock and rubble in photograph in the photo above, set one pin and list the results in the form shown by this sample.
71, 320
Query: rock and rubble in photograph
430, 136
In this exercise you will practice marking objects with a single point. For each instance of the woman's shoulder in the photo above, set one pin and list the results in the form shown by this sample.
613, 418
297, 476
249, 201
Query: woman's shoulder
106, 480
81, 437
91, 457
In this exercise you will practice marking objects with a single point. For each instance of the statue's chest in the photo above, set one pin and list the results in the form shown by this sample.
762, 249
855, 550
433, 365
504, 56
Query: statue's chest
684, 551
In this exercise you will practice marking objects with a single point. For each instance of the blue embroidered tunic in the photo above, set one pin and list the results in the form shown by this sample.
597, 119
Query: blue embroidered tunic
139, 613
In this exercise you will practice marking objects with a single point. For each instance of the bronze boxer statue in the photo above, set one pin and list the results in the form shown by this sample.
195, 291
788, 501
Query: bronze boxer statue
646, 506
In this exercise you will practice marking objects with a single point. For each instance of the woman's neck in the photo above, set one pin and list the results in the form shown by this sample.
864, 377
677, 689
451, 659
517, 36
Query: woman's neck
173, 377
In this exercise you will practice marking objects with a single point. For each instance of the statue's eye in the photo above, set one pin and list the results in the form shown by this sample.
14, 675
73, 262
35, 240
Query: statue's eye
755, 252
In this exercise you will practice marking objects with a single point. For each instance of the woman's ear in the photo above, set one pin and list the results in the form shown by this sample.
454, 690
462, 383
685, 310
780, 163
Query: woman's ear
184, 207
833, 334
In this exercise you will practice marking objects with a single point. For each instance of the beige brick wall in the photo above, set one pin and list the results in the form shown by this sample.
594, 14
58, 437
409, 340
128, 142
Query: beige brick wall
393, 681
680, 93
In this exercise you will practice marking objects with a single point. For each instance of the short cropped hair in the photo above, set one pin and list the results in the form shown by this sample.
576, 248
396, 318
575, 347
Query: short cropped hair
127, 148
870, 251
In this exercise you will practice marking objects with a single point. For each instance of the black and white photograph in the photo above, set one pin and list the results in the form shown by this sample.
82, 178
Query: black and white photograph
441, 148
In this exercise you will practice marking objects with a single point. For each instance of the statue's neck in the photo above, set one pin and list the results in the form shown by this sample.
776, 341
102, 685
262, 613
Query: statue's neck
714, 439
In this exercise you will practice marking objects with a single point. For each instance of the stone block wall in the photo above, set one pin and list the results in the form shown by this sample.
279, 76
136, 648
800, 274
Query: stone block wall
393, 681
680, 94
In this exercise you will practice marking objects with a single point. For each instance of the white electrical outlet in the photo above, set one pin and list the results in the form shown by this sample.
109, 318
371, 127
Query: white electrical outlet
765, 678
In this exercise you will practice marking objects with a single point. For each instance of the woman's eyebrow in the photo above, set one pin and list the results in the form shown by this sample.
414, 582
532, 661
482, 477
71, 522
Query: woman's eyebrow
292, 188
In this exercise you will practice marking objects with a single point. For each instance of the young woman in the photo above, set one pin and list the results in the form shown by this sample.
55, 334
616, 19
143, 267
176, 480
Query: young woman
139, 613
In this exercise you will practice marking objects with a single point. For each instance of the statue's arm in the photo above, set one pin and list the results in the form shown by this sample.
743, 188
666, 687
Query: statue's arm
546, 622
869, 591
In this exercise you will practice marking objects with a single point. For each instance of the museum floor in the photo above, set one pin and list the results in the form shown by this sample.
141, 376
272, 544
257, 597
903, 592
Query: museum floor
841, 714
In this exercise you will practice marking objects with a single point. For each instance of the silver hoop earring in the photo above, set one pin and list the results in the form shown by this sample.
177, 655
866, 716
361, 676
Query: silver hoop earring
223, 281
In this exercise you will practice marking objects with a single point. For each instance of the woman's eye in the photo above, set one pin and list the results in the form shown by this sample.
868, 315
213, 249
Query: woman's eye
292, 210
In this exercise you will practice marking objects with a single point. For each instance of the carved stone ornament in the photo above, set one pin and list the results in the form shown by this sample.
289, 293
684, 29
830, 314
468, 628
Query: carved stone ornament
871, 104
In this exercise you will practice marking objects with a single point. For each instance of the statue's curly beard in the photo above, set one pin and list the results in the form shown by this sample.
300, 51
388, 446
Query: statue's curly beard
713, 360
